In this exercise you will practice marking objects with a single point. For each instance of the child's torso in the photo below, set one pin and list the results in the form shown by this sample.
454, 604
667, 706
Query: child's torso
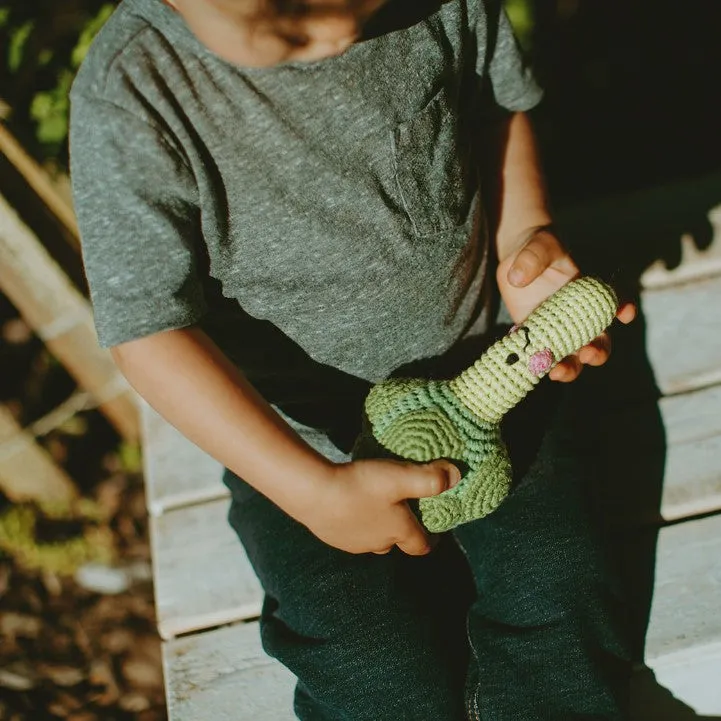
339, 201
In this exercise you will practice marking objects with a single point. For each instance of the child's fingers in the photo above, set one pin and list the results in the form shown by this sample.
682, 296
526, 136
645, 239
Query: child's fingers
567, 370
626, 312
542, 251
414, 541
597, 352
426, 480
533, 259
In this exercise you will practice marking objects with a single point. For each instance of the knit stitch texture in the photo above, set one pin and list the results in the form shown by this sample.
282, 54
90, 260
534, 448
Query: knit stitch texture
459, 419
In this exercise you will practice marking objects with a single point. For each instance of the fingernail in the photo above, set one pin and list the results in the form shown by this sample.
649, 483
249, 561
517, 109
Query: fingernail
515, 276
454, 477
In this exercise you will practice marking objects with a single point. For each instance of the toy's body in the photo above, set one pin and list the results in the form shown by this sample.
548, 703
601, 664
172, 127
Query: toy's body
459, 419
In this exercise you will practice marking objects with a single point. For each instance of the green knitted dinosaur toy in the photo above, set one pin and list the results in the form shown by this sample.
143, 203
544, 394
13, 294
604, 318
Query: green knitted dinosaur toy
459, 419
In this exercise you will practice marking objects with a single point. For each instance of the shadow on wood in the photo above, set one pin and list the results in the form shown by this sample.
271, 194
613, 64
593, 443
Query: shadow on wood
623, 235
653, 702
619, 426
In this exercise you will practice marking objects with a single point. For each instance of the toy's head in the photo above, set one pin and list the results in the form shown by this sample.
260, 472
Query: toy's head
511, 367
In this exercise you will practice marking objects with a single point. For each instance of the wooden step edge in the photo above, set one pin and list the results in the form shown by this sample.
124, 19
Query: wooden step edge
690, 384
693, 509
174, 502
695, 264
201, 623
683, 657
199, 669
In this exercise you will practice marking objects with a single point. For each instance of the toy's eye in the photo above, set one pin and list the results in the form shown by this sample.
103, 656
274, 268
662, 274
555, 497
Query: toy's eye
512, 358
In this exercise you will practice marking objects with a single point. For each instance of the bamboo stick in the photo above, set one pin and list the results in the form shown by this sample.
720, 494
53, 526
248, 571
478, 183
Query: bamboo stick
27, 472
41, 184
62, 318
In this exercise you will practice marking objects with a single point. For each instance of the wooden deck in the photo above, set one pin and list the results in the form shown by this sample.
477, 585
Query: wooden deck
208, 598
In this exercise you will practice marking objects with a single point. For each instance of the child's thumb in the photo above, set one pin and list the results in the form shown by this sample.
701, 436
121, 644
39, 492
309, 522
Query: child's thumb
436, 477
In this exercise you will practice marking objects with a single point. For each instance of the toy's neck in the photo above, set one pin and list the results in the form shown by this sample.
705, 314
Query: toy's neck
502, 377
486, 392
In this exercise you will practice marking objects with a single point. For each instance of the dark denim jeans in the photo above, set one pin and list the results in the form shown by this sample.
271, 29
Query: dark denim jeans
514, 617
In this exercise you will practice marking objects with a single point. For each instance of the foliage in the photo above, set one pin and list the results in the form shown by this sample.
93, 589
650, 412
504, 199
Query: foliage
70, 536
520, 13
44, 44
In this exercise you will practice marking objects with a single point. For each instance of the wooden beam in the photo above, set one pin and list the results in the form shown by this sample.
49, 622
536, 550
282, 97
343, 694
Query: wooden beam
225, 675
62, 318
41, 184
27, 472
224, 587
177, 473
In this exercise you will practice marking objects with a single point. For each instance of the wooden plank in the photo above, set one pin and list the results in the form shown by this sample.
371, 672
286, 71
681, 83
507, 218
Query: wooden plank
224, 587
681, 686
27, 472
40, 183
202, 670
224, 675
202, 574
675, 470
62, 318
692, 416
684, 348
682, 338
177, 473
687, 591
693, 479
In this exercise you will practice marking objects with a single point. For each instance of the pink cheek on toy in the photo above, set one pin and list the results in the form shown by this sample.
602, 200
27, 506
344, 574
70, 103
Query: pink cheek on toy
541, 362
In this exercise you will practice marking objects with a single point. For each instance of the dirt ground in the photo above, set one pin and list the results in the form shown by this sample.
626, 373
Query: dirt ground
77, 644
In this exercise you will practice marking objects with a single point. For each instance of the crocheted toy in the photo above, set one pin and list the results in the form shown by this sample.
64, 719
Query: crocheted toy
459, 419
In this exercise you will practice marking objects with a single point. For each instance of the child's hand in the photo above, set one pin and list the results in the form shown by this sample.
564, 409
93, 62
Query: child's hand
363, 507
533, 273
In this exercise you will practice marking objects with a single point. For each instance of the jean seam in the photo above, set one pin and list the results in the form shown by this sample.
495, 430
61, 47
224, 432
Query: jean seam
472, 700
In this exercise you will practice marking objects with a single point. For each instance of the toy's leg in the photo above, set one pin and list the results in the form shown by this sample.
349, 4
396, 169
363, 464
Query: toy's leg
480, 492
369, 637
549, 625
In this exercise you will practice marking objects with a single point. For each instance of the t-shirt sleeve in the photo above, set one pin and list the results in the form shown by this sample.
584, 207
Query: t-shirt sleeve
501, 62
136, 203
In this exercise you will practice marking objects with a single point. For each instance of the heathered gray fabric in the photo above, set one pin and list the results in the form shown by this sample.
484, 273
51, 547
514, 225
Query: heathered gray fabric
320, 221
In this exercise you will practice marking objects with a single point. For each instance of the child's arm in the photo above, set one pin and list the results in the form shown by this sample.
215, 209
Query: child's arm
357, 507
533, 263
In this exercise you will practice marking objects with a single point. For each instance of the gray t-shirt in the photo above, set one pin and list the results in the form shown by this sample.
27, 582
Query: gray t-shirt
320, 221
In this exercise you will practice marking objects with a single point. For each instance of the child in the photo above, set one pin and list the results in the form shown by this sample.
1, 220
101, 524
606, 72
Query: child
280, 204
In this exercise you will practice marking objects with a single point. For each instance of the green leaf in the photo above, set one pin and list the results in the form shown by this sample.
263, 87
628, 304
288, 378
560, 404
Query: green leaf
16, 46
131, 458
53, 129
4, 17
44, 57
520, 13
88, 34
41, 106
